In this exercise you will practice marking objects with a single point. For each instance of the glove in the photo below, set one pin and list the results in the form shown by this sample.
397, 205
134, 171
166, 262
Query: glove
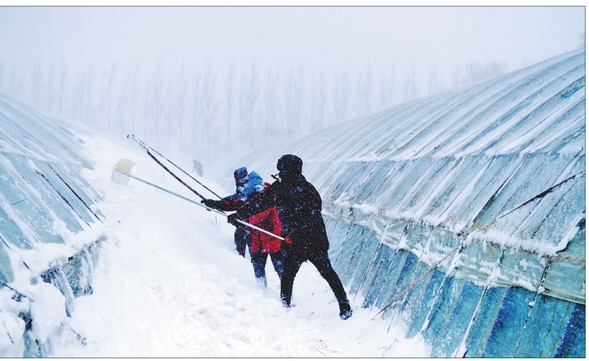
211, 203
285, 244
232, 219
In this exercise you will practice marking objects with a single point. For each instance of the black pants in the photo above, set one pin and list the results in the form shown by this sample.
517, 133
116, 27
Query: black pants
292, 264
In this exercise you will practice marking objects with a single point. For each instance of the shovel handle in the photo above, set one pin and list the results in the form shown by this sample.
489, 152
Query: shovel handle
198, 204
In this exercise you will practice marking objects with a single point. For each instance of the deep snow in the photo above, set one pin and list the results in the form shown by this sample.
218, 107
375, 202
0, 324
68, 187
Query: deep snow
169, 284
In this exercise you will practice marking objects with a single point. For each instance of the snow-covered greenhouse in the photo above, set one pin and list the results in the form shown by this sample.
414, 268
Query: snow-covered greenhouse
49, 239
463, 213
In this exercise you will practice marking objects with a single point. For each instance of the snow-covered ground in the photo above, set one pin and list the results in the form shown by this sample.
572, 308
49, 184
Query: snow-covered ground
170, 284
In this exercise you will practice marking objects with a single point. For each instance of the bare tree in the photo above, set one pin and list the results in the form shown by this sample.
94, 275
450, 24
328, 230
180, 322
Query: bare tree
410, 89
179, 109
120, 108
107, 97
229, 104
196, 113
322, 103
82, 97
17, 83
155, 105
90, 90
3, 77
250, 92
51, 90
456, 77
271, 105
287, 102
37, 85
168, 110
342, 96
479, 72
209, 106
435, 82
131, 100
77, 99
298, 96
387, 86
364, 92
318, 101
63, 87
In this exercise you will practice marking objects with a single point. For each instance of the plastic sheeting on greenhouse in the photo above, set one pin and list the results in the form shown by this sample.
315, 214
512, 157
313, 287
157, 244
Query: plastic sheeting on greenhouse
48, 236
463, 211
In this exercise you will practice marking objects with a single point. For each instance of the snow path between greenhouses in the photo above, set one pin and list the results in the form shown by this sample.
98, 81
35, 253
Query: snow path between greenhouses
170, 284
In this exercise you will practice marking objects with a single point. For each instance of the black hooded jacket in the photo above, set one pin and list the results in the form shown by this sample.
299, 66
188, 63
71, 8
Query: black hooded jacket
299, 208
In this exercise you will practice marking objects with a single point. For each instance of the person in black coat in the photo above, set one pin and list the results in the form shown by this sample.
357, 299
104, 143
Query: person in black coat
305, 239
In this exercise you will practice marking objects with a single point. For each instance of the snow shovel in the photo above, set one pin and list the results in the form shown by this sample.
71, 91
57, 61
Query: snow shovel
118, 174
122, 172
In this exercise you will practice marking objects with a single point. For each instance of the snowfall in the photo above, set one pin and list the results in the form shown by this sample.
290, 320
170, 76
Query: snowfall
169, 283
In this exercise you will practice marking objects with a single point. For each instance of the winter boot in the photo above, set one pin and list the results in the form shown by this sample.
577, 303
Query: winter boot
262, 283
345, 311
285, 301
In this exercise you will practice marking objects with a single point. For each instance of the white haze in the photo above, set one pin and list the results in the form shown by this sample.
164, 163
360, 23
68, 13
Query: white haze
164, 73
283, 38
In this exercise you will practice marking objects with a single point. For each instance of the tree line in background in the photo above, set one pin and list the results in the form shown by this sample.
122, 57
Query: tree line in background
200, 114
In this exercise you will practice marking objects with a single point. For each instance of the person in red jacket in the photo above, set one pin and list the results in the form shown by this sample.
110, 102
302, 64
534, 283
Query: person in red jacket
260, 244
264, 245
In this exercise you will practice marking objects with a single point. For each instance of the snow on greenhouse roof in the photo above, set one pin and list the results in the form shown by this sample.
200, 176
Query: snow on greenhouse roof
504, 158
45, 203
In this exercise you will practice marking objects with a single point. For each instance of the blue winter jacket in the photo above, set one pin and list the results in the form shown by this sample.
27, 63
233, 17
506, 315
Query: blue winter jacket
255, 184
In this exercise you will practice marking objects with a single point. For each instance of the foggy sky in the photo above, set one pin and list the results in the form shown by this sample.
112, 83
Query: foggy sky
282, 38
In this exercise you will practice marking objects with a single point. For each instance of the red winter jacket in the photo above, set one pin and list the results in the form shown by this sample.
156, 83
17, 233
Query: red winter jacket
268, 220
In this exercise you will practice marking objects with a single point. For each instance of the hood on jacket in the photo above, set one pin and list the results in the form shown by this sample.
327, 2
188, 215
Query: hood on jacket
255, 184
240, 176
289, 165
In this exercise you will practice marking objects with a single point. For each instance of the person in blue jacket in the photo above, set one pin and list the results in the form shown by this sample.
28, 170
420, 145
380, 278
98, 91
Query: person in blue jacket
305, 238
245, 185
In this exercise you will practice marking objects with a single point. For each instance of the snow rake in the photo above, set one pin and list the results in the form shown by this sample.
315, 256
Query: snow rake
149, 149
122, 172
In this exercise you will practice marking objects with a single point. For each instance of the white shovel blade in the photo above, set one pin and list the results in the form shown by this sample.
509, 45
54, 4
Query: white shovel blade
124, 165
